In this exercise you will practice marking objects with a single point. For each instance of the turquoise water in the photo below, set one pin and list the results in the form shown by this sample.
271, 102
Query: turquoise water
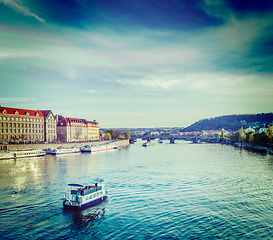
167, 191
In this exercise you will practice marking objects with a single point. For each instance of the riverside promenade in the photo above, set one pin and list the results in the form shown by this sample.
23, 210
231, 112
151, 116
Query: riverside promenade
11, 147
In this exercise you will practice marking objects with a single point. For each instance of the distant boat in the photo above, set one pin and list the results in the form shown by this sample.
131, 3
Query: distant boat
59, 151
99, 148
196, 141
160, 141
49, 150
22, 153
147, 144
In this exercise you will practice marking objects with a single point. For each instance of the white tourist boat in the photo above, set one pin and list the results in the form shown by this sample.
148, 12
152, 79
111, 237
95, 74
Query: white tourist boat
98, 148
65, 150
22, 153
85, 194
49, 150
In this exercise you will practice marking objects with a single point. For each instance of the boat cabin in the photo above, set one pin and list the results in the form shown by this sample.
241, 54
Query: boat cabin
86, 187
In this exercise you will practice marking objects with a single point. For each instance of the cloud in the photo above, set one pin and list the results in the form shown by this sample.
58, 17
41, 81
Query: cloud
17, 99
18, 6
212, 83
88, 91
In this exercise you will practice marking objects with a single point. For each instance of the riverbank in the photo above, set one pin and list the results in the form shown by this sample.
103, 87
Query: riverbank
12, 147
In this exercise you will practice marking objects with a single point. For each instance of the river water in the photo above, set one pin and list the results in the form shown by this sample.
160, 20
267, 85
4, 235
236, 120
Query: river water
167, 191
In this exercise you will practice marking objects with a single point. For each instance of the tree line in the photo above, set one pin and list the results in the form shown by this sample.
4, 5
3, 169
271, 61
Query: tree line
116, 134
253, 138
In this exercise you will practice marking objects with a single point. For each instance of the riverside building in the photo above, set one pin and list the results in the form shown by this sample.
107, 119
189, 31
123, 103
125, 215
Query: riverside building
74, 129
24, 125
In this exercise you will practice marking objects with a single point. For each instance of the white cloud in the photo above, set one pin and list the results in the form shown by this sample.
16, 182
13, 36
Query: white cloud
216, 83
88, 91
18, 6
17, 99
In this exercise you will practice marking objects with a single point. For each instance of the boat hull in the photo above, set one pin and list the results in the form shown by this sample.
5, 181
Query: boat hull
87, 204
65, 151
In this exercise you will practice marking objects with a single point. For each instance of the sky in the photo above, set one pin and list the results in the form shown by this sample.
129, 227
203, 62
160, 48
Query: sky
141, 63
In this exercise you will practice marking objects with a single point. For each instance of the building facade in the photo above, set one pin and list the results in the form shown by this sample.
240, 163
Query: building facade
74, 129
50, 126
23, 125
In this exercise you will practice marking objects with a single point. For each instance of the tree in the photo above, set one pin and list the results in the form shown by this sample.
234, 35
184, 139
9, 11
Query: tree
77, 135
235, 137
120, 137
108, 135
249, 137
117, 132
111, 132
127, 135
217, 135
242, 135
270, 132
222, 133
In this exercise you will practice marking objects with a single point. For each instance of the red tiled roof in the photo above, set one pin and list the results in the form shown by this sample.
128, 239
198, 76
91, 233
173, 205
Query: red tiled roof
22, 112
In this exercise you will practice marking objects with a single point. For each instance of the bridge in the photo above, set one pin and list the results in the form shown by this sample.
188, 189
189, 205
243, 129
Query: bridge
172, 138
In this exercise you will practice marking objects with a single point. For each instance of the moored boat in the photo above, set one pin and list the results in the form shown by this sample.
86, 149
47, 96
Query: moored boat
65, 150
22, 153
85, 194
49, 150
147, 144
98, 148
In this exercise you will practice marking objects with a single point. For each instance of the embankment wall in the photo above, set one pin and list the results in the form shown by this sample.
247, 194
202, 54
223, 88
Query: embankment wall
11, 147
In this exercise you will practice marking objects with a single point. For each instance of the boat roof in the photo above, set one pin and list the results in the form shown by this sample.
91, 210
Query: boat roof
85, 183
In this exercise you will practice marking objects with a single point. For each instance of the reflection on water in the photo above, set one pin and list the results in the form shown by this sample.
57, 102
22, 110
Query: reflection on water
167, 191
84, 219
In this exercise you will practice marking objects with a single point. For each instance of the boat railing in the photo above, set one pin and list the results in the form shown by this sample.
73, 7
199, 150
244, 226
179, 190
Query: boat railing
84, 192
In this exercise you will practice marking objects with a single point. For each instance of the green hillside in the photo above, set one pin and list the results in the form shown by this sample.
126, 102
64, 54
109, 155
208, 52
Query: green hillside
231, 122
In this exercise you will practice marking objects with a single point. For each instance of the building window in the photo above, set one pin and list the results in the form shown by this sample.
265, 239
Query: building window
14, 130
10, 130
14, 124
29, 131
10, 124
29, 125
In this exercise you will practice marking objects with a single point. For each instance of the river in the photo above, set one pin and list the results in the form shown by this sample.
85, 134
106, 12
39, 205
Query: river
166, 191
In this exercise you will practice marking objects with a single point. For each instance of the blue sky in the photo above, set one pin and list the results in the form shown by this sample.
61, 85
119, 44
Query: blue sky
137, 63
